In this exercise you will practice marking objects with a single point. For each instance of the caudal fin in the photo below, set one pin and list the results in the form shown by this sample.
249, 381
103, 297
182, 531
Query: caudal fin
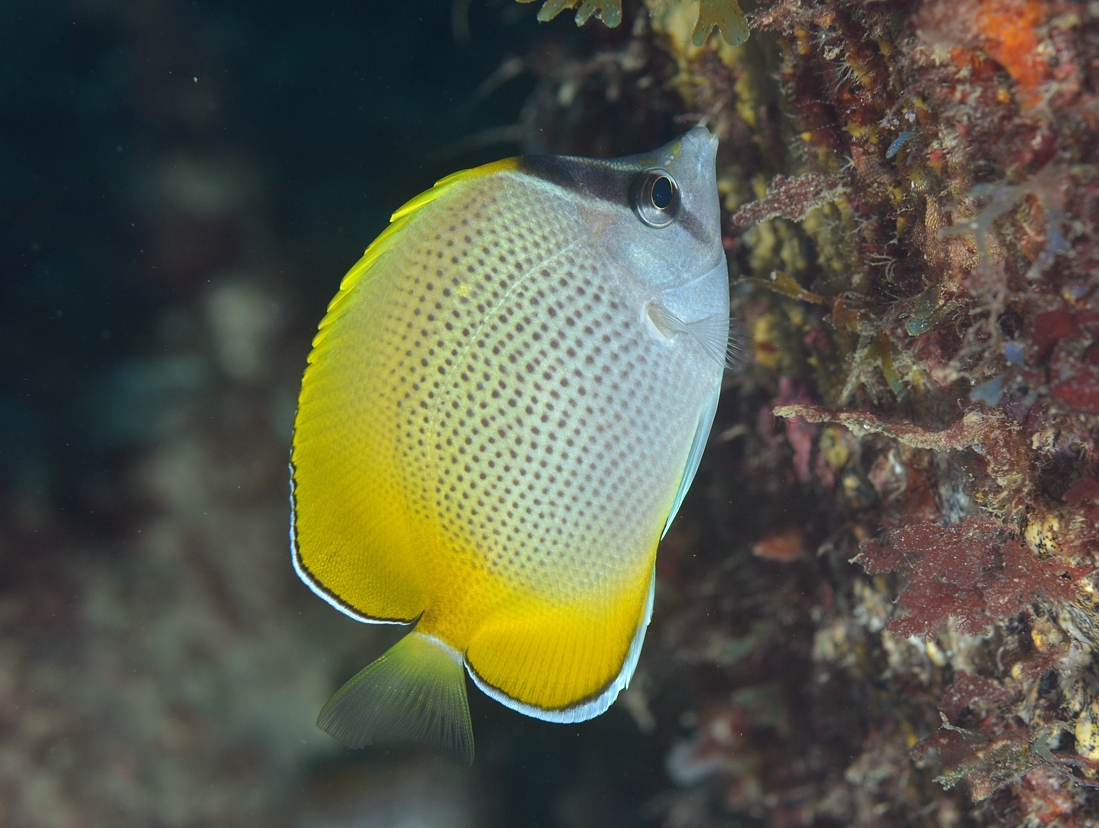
415, 692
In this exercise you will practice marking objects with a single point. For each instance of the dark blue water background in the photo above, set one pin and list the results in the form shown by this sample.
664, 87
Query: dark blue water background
159, 161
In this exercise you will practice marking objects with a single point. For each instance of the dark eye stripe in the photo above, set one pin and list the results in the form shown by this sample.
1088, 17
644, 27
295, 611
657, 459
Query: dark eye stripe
587, 176
607, 180
689, 222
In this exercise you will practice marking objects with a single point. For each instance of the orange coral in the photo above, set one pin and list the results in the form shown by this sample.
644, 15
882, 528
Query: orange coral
1010, 33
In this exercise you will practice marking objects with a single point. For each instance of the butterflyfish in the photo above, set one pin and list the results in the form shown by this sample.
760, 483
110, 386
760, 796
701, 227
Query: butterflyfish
502, 411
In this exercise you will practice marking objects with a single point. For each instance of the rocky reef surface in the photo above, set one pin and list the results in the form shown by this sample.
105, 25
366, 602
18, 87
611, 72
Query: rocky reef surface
877, 607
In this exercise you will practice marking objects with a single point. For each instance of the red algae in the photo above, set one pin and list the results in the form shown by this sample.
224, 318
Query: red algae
970, 573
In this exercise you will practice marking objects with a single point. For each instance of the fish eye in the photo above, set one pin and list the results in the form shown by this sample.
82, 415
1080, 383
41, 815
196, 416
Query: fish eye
655, 198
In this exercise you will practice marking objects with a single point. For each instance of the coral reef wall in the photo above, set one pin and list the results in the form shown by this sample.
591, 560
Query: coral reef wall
877, 606
886, 615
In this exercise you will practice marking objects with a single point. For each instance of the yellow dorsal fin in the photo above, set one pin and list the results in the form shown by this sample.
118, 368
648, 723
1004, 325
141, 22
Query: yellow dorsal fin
400, 217
356, 543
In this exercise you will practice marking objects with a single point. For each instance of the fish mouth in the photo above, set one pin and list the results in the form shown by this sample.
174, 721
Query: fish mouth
700, 144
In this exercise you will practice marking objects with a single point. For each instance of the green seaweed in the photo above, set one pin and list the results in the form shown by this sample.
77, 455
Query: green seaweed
724, 15
609, 11
881, 351
784, 284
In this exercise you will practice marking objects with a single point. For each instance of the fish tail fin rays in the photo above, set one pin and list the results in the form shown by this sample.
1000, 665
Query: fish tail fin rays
564, 666
415, 692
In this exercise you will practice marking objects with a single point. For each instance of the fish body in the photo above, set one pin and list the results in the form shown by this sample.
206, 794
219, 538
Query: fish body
502, 411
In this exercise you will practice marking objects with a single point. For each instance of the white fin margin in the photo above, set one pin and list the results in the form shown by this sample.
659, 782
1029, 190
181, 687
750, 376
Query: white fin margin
308, 579
593, 707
